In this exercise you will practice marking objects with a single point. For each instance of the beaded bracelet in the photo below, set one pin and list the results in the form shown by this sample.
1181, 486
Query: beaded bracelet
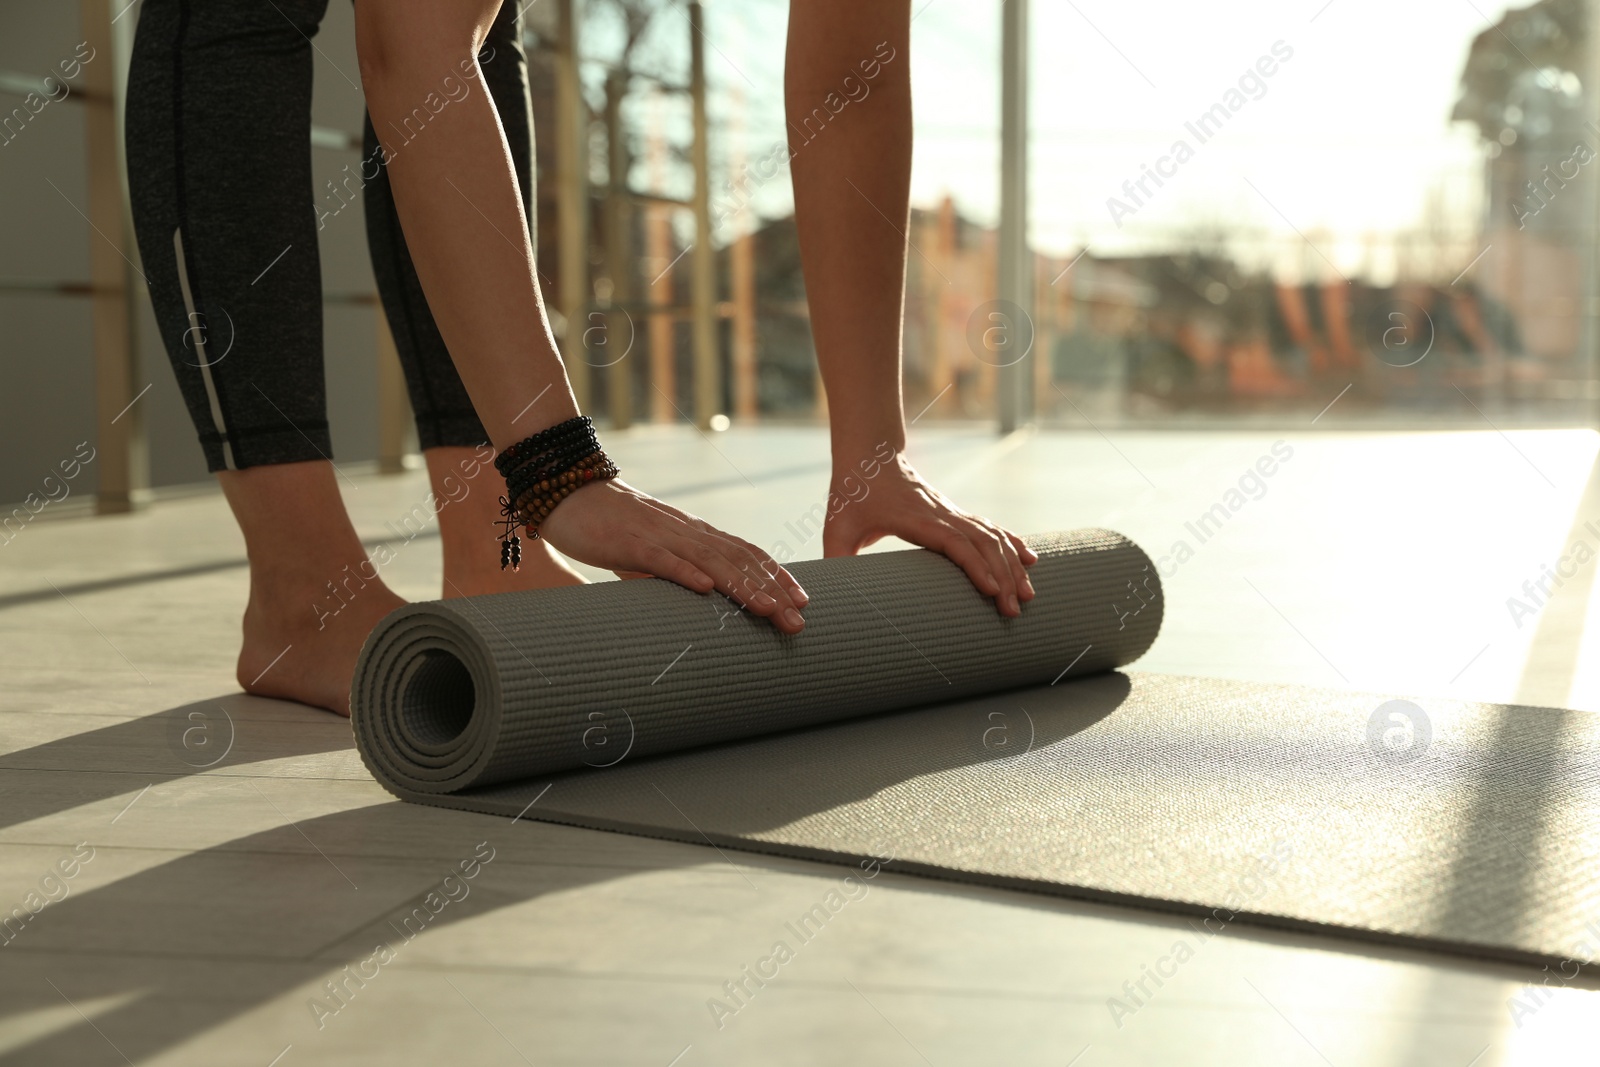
535, 470
540, 472
518, 454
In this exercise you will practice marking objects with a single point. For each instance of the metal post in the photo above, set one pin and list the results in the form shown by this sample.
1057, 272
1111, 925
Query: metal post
746, 370
1589, 356
703, 297
1015, 268
658, 254
742, 282
572, 198
619, 258
122, 459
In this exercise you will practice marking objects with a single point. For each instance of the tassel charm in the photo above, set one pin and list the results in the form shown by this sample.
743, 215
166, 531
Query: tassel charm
510, 543
511, 553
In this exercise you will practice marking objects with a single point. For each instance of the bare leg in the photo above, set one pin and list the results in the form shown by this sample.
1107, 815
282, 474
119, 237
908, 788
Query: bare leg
314, 594
456, 193
466, 493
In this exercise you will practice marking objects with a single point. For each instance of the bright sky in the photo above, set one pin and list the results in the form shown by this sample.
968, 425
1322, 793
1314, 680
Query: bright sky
1351, 138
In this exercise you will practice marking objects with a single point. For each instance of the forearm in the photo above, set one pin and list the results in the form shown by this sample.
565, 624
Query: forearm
847, 88
457, 196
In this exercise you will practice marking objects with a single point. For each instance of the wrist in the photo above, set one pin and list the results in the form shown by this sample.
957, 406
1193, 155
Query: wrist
543, 470
851, 450
508, 424
865, 461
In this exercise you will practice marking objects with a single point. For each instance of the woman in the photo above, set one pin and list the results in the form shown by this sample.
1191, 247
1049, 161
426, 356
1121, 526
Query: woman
219, 165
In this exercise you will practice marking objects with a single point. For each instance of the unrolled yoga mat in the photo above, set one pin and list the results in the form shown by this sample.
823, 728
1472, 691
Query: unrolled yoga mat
1223, 801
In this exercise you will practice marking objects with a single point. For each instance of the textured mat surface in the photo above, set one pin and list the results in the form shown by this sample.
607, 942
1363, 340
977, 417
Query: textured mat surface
461, 693
1226, 801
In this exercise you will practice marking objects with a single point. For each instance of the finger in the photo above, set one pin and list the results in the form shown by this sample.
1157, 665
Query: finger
1019, 570
945, 538
797, 592
750, 554
771, 567
738, 576
760, 576
774, 570
763, 585
1010, 560
989, 544
1028, 556
658, 560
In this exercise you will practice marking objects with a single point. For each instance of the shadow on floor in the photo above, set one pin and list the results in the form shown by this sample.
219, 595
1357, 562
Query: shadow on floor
219, 734
164, 955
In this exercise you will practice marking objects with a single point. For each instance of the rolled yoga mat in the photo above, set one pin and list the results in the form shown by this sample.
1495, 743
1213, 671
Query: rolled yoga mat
910, 720
457, 694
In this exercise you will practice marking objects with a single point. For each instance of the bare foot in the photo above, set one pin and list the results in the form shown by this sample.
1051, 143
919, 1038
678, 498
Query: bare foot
303, 646
302, 632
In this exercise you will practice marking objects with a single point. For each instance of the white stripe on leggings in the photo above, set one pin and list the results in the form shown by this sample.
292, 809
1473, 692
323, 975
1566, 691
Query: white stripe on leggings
198, 329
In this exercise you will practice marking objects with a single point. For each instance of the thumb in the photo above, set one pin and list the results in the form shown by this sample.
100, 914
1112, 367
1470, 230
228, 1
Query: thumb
841, 536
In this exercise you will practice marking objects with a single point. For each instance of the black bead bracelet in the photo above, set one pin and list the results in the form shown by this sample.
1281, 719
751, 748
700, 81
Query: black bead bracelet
540, 472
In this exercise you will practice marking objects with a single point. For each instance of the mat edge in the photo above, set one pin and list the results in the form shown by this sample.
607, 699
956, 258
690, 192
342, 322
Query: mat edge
1337, 933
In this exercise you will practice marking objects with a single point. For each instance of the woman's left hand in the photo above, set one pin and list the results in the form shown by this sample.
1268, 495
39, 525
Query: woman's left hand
900, 502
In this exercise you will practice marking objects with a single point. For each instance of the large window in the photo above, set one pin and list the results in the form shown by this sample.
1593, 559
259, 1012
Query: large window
1335, 210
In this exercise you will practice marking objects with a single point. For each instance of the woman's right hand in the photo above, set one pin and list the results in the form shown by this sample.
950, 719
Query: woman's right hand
611, 524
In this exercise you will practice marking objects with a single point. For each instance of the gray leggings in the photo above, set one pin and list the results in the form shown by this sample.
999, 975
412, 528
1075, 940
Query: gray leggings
219, 172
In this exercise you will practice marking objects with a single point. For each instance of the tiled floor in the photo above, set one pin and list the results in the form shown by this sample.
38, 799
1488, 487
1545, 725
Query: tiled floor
242, 858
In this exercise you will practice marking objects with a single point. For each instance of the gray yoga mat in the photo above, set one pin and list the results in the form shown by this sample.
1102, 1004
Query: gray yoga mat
455, 694
910, 721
